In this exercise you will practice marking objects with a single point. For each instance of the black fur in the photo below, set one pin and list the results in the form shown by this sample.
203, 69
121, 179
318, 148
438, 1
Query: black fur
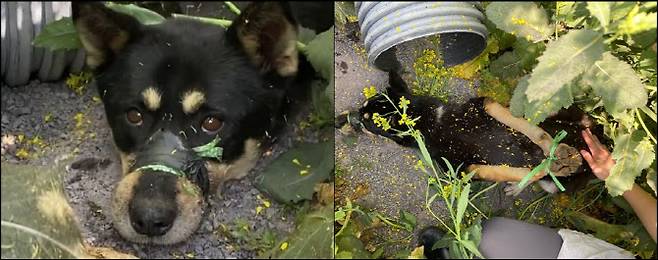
465, 133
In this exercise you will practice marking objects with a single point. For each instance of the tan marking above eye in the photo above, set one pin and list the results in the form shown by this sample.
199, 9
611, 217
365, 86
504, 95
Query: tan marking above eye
152, 98
192, 100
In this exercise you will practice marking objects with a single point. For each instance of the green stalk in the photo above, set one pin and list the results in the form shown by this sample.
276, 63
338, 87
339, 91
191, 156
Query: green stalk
232, 7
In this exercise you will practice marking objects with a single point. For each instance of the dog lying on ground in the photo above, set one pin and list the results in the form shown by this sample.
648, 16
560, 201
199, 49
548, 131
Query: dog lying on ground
190, 105
480, 134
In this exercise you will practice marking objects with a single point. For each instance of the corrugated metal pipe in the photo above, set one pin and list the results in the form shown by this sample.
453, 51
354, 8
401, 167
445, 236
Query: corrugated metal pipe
459, 25
21, 23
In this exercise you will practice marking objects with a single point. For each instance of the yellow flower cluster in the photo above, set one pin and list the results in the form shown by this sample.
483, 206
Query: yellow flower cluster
405, 120
369, 92
381, 121
403, 104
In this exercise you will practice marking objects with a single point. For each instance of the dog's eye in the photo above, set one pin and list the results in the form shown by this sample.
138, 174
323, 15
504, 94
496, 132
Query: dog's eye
134, 117
211, 124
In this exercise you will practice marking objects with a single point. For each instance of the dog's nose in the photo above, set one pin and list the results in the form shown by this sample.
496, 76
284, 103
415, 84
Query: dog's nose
151, 221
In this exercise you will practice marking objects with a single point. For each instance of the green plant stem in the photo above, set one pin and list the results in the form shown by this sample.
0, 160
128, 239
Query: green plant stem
232, 7
639, 116
221, 22
531, 204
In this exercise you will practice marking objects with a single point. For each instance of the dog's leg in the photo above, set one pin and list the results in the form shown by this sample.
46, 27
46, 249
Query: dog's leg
502, 173
568, 158
536, 134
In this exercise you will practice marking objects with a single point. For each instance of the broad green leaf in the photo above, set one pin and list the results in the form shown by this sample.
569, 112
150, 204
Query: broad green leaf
518, 102
637, 22
351, 244
616, 83
475, 231
312, 238
619, 10
462, 203
600, 10
632, 153
517, 62
538, 111
523, 19
445, 241
58, 35
408, 220
143, 15
563, 60
573, 14
292, 176
468, 244
320, 53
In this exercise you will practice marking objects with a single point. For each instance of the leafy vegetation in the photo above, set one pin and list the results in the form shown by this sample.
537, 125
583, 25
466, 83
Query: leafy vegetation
594, 58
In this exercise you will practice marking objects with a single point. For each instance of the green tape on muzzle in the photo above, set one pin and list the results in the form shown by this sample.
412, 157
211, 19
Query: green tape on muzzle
164, 152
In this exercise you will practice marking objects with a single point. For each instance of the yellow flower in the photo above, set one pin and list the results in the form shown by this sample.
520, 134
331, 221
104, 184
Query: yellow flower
369, 92
381, 121
419, 165
403, 103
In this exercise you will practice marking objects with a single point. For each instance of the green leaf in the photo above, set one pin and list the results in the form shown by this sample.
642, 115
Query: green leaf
619, 10
58, 35
573, 14
143, 15
445, 241
564, 60
637, 22
312, 238
632, 153
320, 53
523, 19
351, 244
290, 182
600, 10
538, 111
616, 82
462, 203
408, 220
517, 62
472, 248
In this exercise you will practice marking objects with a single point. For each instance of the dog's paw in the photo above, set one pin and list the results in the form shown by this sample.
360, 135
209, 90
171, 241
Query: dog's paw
548, 186
568, 160
513, 189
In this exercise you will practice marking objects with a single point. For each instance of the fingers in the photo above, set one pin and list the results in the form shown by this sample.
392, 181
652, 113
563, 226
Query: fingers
595, 146
588, 157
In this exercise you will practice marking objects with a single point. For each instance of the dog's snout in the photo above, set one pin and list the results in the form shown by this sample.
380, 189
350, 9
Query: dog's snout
151, 218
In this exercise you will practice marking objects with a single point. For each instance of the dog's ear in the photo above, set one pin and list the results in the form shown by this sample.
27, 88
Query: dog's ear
102, 31
267, 32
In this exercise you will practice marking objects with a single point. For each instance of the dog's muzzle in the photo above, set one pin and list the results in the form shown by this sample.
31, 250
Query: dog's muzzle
165, 152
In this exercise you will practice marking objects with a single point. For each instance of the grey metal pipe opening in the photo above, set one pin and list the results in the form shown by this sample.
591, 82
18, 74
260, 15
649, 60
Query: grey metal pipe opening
387, 24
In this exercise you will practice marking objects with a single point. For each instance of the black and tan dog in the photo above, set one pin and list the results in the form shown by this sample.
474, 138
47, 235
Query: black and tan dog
481, 134
181, 84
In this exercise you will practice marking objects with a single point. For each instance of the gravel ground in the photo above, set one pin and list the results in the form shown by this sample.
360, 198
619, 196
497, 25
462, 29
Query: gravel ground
93, 167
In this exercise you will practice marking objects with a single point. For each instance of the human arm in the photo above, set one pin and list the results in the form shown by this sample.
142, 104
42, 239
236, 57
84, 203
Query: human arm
601, 162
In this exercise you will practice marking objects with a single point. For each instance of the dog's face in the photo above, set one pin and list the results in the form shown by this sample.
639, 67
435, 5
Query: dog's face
170, 87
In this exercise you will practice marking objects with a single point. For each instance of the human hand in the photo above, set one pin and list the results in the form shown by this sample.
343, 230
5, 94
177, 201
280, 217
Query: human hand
598, 158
